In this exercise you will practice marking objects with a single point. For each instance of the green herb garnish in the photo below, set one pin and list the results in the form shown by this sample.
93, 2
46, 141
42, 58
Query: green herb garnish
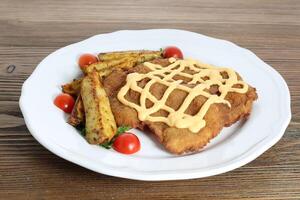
107, 145
120, 130
81, 129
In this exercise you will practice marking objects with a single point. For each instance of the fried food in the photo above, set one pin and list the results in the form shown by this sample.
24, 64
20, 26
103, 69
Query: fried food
99, 120
107, 63
77, 115
103, 65
142, 55
177, 140
72, 88
122, 60
104, 73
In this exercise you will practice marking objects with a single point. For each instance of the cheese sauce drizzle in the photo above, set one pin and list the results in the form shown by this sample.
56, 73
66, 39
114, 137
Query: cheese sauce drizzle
165, 76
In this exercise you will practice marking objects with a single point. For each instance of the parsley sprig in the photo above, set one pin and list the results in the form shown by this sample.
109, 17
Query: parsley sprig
120, 130
81, 129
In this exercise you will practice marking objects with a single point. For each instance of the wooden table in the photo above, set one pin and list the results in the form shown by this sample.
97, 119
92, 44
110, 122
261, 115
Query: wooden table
30, 30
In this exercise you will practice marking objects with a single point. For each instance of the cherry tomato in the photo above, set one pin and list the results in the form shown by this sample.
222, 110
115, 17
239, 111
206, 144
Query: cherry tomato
65, 102
87, 59
127, 143
172, 51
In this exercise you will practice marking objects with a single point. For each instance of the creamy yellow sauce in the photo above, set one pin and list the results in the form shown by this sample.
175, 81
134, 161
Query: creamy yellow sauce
165, 75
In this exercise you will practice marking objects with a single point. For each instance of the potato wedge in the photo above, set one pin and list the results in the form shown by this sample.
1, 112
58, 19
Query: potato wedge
99, 120
72, 88
122, 54
102, 65
104, 73
148, 57
117, 55
77, 115
123, 60
129, 62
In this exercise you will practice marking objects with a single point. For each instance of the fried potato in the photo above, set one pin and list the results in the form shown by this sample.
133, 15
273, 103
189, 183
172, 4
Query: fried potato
72, 88
121, 54
148, 57
102, 65
129, 62
100, 123
77, 115
104, 73
122, 59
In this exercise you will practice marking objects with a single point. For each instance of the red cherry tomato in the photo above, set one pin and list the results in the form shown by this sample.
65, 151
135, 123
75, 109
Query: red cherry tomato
87, 59
127, 143
172, 51
65, 102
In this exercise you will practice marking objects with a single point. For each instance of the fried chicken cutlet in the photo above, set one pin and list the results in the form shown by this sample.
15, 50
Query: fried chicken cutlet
174, 139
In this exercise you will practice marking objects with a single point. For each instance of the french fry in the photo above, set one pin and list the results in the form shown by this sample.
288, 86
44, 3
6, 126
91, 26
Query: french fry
99, 120
77, 115
72, 88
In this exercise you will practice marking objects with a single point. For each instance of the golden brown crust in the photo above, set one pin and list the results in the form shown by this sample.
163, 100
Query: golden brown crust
77, 116
100, 123
121, 60
177, 140
72, 88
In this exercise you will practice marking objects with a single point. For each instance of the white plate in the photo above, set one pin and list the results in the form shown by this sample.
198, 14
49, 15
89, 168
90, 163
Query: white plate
234, 147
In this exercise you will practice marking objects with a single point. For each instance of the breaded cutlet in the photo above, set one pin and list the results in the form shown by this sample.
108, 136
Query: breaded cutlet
177, 140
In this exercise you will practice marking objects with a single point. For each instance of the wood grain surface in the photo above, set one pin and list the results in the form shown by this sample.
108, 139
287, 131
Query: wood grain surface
30, 30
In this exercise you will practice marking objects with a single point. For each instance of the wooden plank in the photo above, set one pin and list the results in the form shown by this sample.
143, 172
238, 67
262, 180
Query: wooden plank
58, 34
